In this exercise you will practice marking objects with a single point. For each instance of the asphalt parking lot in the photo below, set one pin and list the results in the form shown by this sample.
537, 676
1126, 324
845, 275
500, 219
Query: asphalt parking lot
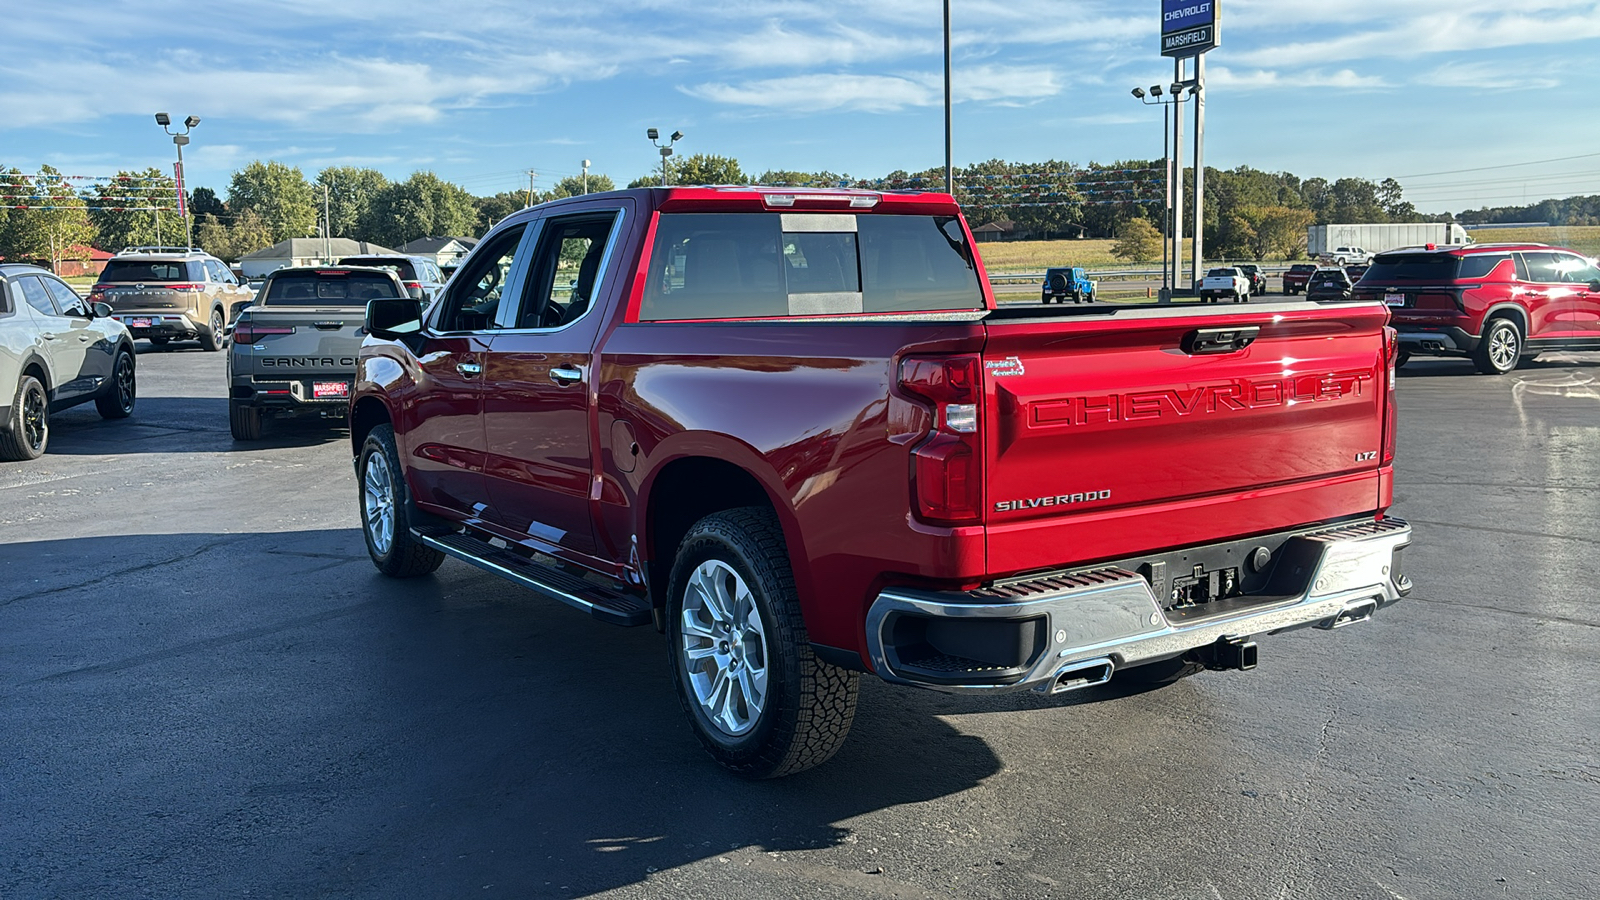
206, 690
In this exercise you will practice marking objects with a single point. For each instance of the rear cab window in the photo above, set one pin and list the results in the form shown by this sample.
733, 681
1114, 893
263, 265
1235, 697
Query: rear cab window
145, 270
782, 265
328, 289
1432, 268
404, 267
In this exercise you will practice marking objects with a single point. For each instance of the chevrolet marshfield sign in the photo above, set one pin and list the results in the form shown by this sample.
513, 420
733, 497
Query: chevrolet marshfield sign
1188, 27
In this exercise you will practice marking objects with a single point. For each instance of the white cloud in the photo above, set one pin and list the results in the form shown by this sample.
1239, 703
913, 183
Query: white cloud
882, 93
1267, 79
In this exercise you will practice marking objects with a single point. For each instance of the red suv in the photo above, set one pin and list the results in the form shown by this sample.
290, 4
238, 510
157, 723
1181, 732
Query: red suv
1497, 304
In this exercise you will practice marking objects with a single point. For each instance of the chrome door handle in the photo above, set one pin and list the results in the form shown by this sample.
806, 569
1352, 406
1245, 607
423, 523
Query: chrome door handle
566, 376
469, 370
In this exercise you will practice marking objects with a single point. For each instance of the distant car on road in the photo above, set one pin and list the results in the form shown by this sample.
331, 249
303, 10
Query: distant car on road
1067, 282
1295, 280
1355, 272
1344, 256
1329, 284
414, 271
56, 351
1225, 284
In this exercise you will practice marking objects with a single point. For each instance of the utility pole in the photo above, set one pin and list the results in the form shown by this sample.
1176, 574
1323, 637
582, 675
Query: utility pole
586, 176
327, 226
531, 175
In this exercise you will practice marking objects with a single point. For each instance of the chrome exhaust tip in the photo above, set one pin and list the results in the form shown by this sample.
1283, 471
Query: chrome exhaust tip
1357, 611
1080, 675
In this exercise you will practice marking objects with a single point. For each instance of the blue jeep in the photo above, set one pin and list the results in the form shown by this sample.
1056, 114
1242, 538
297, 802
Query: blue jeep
1062, 283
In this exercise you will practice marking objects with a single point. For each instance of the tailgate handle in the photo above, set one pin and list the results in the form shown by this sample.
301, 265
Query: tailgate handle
1220, 340
328, 326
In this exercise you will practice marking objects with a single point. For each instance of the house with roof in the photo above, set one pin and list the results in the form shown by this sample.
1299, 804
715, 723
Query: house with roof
446, 251
303, 252
1000, 230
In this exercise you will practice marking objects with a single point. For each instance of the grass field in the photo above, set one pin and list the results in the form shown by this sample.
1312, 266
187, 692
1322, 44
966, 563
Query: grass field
1000, 257
1583, 238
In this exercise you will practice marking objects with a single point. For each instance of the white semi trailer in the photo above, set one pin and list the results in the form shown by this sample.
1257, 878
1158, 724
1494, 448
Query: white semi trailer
1326, 240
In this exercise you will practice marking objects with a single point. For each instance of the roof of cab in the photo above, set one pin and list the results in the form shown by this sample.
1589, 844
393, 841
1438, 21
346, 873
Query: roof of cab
747, 198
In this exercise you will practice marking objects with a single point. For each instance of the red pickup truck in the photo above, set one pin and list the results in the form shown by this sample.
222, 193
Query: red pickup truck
794, 432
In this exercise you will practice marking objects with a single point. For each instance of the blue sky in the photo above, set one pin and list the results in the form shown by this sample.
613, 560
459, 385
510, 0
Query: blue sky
479, 92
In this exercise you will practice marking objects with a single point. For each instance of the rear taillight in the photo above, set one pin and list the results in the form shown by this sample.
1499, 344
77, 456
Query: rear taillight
184, 287
246, 333
946, 467
1391, 415
413, 285
98, 292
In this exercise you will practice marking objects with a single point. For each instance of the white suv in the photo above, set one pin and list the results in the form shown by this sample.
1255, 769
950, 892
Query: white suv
56, 351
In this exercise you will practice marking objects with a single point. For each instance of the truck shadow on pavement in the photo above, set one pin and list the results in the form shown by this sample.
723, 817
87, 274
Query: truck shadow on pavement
309, 727
179, 425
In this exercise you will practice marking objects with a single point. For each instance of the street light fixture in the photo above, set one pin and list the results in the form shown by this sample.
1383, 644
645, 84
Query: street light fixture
666, 150
180, 139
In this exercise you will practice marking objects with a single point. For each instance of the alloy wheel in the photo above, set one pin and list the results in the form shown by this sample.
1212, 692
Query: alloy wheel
127, 389
1504, 347
35, 425
724, 651
377, 500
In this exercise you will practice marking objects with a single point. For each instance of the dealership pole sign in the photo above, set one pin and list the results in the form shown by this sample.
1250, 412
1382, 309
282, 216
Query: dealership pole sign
1188, 27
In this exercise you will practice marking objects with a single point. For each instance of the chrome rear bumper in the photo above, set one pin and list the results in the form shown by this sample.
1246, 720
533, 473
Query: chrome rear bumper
1090, 624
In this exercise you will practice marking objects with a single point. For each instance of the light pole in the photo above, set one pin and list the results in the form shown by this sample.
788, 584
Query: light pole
949, 160
586, 176
666, 151
1167, 103
179, 139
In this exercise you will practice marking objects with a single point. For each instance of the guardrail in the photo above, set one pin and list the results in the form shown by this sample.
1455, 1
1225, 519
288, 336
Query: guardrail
1118, 273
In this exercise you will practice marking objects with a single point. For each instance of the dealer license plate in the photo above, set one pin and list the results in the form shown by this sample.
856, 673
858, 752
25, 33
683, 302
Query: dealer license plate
329, 390
1394, 299
138, 323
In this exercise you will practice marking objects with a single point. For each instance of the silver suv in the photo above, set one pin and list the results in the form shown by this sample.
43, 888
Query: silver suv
169, 294
56, 351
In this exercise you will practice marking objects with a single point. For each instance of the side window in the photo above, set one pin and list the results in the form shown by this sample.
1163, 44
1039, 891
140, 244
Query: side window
1574, 269
67, 300
36, 295
566, 271
216, 271
477, 290
1542, 268
1478, 266
6, 289
197, 271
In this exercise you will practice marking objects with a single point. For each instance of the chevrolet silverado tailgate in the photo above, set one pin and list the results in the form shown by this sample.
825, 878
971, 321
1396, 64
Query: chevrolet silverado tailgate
1142, 429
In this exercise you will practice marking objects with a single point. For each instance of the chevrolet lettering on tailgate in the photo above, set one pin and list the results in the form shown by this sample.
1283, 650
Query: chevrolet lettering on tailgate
1239, 395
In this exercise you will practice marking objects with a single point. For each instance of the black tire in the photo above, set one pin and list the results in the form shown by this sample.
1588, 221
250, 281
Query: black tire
159, 341
244, 422
805, 705
401, 555
27, 429
1058, 283
1401, 358
1157, 674
211, 340
1500, 349
123, 391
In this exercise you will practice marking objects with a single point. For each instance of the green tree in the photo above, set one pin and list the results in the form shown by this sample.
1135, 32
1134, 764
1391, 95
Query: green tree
205, 202
572, 186
279, 195
1138, 241
420, 206
246, 233
490, 210
126, 209
705, 168
54, 219
351, 193
1275, 232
